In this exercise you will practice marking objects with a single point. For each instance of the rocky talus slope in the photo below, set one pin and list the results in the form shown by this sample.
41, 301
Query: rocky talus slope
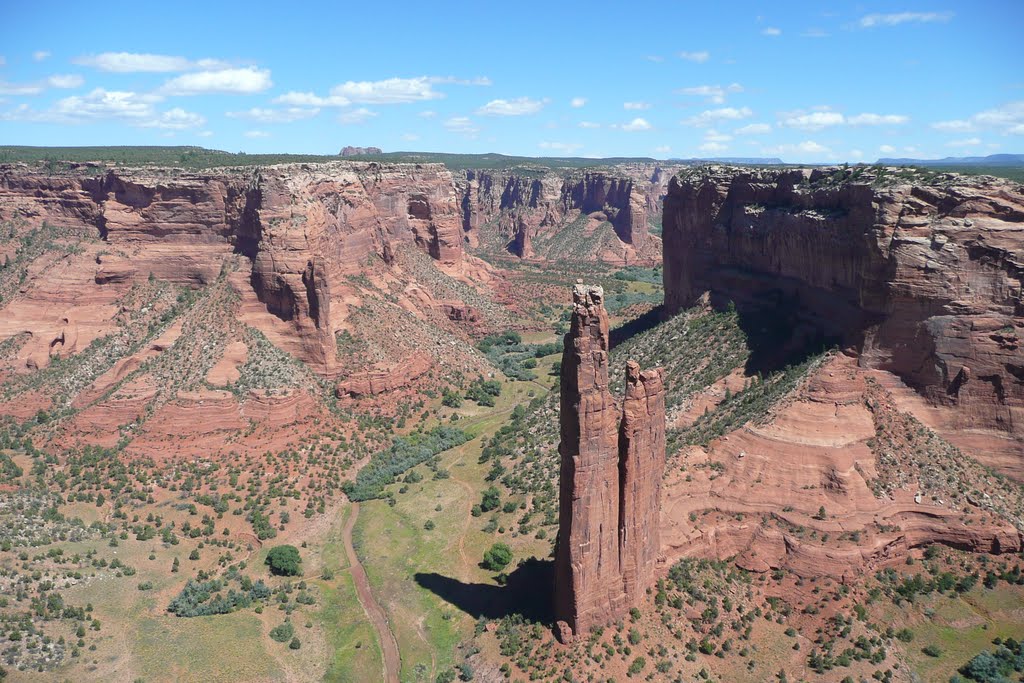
163, 292
918, 276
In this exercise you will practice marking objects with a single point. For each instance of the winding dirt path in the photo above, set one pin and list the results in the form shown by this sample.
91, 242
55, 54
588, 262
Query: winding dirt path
388, 644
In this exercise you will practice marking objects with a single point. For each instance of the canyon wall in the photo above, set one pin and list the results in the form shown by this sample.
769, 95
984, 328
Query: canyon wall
518, 206
304, 228
612, 463
922, 278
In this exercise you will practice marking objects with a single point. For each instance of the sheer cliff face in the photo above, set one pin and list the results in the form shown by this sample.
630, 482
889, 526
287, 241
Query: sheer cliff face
527, 206
612, 463
304, 228
923, 280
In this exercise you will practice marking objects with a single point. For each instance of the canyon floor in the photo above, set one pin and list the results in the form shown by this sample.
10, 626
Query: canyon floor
161, 435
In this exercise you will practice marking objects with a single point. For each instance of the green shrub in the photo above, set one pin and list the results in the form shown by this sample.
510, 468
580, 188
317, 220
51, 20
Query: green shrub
284, 560
497, 557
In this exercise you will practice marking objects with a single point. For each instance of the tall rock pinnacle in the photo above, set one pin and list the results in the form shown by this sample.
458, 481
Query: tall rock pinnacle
612, 463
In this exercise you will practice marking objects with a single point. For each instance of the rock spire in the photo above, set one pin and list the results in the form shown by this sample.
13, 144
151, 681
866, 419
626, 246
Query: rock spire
612, 461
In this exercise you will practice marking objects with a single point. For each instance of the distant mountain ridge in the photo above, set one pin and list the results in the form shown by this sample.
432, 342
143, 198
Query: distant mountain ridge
760, 161
990, 160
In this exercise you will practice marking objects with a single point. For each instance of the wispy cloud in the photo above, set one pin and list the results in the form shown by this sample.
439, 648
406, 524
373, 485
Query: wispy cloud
356, 116
824, 117
308, 99
589, 124
897, 18
174, 119
20, 88
283, 115
754, 129
243, 81
520, 106
636, 106
1007, 119
808, 149
578, 102
713, 116
715, 94
65, 81
463, 125
566, 147
637, 124
815, 32
771, 31
968, 142
256, 134
40, 55
389, 90
142, 62
697, 57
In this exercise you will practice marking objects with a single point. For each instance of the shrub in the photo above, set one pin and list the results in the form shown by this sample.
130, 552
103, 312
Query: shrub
932, 650
491, 499
283, 633
284, 560
497, 557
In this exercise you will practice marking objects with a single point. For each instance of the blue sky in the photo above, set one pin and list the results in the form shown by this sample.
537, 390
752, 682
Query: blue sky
804, 81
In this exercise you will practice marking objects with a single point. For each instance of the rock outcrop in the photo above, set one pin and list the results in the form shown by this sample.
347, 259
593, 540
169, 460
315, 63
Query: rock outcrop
612, 462
519, 206
922, 278
304, 228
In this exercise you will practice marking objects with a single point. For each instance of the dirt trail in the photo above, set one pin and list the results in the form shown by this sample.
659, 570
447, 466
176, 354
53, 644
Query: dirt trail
388, 644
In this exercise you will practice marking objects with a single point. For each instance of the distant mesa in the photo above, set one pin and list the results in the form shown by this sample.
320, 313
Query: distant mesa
990, 160
349, 151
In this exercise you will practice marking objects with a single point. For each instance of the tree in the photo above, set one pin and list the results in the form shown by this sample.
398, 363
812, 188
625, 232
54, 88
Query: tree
284, 560
497, 557
491, 499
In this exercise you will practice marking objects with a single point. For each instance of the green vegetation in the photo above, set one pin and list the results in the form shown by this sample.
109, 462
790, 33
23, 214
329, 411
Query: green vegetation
204, 598
284, 560
497, 557
995, 666
405, 452
516, 360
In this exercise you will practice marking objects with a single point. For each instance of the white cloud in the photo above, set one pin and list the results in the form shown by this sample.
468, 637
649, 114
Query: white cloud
662, 149
754, 129
388, 91
814, 32
856, 154
479, 80
105, 104
711, 116
771, 31
636, 106
308, 99
713, 147
715, 93
698, 57
636, 124
517, 107
589, 124
567, 147
657, 59
205, 133
20, 88
969, 142
427, 114
578, 102
256, 134
1007, 119
65, 81
897, 18
355, 116
140, 62
877, 120
285, 115
40, 55
712, 135
886, 149
815, 120
243, 81
410, 137
807, 150
462, 125
175, 119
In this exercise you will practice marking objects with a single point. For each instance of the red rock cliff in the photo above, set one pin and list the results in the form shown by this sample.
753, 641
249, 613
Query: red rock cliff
612, 463
923, 279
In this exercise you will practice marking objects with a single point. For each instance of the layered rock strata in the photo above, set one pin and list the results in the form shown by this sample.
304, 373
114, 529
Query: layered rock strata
523, 206
922, 278
612, 462
305, 229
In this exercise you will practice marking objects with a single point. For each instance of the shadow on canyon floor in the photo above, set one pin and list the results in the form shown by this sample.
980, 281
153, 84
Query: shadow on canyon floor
526, 593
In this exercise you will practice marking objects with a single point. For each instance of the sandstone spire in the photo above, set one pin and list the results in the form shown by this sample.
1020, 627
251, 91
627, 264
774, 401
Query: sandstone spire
610, 482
